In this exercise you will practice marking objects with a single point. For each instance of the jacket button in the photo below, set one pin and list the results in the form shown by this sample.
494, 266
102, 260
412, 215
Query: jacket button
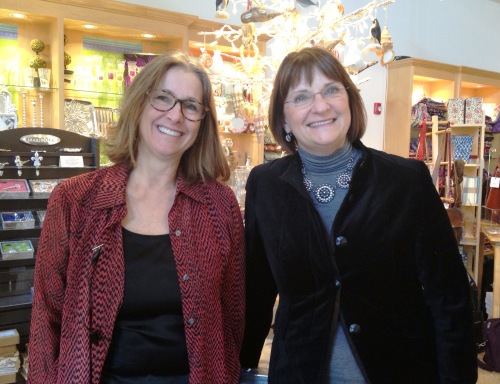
355, 329
341, 242
191, 321
178, 232
185, 277
337, 283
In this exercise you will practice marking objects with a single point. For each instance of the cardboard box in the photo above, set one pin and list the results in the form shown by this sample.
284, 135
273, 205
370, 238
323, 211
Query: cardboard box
8, 378
9, 337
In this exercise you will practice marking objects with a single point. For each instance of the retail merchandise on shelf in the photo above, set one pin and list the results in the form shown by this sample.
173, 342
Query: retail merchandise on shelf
89, 68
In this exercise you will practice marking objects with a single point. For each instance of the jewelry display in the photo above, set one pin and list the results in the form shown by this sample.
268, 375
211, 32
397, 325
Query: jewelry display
37, 160
40, 96
41, 216
16, 186
19, 164
326, 192
42, 188
14, 250
2, 165
17, 220
24, 108
33, 104
14, 189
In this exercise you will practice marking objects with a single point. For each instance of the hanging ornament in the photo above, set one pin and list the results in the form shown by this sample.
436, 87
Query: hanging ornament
375, 31
220, 9
217, 63
259, 14
387, 47
206, 59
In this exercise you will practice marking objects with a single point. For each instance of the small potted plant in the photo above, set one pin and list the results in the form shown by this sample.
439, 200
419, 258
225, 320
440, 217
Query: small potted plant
67, 59
37, 62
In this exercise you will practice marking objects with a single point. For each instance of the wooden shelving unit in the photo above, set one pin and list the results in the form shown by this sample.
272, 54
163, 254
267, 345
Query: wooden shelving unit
411, 78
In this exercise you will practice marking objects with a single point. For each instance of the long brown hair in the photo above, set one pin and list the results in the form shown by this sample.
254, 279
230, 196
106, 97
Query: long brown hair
301, 65
205, 158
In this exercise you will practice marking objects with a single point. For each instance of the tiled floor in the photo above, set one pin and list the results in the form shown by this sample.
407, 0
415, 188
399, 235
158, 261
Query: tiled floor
484, 377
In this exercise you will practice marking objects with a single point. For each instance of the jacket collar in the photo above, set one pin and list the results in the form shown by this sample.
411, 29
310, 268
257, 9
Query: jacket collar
195, 191
113, 186
111, 192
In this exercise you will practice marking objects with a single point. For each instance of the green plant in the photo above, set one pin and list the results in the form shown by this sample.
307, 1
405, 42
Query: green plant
37, 46
67, 60
37, 61
67, 56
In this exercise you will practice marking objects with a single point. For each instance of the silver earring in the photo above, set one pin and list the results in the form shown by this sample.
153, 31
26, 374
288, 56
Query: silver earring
288, 136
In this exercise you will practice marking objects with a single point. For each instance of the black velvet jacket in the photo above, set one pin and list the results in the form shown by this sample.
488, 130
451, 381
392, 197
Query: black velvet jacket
391, 267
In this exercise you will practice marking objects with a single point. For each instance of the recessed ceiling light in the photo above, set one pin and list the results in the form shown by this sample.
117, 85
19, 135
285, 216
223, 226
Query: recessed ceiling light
89, 26
17, 15
148, 35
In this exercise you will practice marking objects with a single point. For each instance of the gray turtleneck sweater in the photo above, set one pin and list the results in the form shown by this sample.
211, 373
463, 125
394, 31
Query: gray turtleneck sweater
325, 170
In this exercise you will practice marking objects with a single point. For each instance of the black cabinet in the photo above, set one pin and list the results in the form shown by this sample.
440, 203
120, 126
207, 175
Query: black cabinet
79, 154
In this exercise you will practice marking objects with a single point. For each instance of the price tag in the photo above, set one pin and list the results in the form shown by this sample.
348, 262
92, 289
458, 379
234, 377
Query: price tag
495, 182
71, 162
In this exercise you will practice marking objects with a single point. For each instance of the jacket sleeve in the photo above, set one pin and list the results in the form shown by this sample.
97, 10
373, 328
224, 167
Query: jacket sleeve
49, 289
446, 288
261, 290
233, 289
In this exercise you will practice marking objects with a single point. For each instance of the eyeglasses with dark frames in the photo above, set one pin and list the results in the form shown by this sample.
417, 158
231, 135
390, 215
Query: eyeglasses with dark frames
164, 101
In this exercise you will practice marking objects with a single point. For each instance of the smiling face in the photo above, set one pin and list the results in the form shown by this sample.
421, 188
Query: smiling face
167, 135
321, 128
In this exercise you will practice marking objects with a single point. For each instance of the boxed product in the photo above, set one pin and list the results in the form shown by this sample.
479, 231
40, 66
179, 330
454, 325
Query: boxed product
9, 337
465, 111
41, 189
41, 217
17, 220
474, 110
456, 111
470, 190
14, 250
14, 189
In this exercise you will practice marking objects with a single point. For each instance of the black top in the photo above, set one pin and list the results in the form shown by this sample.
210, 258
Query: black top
148, 338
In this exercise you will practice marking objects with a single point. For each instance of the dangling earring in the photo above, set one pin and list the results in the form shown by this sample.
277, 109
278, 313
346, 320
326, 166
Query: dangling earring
288, 136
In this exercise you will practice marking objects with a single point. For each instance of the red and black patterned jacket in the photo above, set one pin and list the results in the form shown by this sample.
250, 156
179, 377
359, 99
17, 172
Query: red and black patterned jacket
71, 290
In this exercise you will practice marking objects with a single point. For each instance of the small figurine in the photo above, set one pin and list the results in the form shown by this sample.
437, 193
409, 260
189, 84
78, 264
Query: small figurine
2, 165
37, 161
19, 164
220, 7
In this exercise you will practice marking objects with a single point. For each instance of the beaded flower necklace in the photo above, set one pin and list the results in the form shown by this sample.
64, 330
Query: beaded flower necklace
325, 192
